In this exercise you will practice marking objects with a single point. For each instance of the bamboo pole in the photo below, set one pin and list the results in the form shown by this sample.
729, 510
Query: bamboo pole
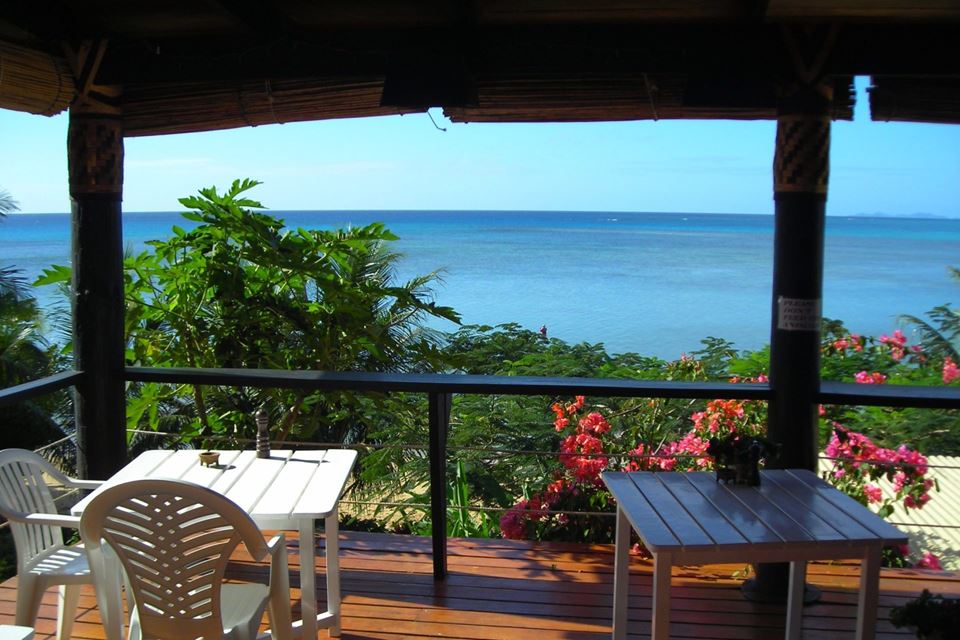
34, 81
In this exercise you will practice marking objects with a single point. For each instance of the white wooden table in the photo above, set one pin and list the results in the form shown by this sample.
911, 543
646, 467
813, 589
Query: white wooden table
793, 516
287, 491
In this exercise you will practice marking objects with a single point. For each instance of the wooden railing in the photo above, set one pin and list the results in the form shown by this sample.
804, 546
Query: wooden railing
440, 388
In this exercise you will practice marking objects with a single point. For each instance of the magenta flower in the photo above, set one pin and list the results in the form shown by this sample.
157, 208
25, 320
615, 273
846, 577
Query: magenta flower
950, 370
929, 561
870, 378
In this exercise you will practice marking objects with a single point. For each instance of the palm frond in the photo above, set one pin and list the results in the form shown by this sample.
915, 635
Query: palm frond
7, 203
940, 337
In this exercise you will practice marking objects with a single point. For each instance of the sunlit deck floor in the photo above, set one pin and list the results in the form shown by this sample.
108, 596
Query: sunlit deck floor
499, 589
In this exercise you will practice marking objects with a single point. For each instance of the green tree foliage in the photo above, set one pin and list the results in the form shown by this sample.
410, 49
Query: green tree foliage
506, 442
241, 290
25, 355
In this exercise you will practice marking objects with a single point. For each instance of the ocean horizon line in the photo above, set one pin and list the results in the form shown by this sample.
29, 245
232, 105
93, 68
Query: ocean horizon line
871, 215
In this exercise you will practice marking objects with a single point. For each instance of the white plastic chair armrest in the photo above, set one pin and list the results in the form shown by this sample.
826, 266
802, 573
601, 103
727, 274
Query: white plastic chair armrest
280, 618
52, 519
77, 483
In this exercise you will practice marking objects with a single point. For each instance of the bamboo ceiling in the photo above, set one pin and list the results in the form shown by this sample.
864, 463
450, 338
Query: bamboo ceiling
182, 65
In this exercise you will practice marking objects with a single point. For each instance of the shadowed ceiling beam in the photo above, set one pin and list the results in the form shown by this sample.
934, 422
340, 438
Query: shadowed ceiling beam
49, 21
860, 50
261, 19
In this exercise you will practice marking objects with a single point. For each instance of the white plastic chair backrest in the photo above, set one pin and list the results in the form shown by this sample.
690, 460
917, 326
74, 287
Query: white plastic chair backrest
174, 540
24, 490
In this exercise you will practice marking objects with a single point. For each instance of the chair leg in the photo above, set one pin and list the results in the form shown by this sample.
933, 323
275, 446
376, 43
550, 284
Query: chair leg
281, 627
29, 593
69, 596
247, 631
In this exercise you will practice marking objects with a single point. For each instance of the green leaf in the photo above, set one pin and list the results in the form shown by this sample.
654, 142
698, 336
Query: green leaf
56, 274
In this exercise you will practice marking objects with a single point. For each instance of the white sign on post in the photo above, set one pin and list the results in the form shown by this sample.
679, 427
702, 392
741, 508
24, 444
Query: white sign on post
798, 314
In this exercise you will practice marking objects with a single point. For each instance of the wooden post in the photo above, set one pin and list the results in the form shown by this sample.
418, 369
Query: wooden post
439, 424
801, 173
95, 147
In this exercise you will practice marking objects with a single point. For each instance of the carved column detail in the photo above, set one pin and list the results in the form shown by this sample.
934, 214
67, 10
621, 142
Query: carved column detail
95, 148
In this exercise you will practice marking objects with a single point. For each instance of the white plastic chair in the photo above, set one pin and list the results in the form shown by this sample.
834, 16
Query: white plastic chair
174, 540
43, 559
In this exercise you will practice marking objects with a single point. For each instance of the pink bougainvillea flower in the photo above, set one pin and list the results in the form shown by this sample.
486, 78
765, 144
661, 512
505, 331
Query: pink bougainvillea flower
876, 377
856, 460
897, 343
951, 371
929, 561
512, 522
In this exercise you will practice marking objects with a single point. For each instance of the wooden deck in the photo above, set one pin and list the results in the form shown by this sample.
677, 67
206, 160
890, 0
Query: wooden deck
500, 589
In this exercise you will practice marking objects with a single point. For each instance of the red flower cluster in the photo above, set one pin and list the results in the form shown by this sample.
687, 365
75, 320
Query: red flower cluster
851, 341
876, 377
721, 416
581, 453
513, 523
561, 412
897, 343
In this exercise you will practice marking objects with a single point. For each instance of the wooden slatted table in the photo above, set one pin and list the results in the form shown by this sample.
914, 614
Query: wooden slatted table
793, 516
288, 490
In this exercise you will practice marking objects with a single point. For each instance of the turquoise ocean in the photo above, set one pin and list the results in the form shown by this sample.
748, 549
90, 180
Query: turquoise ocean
651, 283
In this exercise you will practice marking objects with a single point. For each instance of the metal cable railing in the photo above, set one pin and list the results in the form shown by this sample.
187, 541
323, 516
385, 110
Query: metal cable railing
440, 388
477, 508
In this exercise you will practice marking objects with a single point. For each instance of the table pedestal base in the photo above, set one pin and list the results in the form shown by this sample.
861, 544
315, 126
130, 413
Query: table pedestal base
771, 584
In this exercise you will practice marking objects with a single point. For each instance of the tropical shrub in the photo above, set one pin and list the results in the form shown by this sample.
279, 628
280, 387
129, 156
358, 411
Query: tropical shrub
25, 354
892, 359
932, 617
241, 290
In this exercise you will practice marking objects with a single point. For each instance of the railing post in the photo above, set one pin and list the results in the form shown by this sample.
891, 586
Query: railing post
439, 424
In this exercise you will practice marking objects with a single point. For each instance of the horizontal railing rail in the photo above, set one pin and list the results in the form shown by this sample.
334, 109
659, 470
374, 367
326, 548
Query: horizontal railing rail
450, 383
889, 395
830, 392
35, 388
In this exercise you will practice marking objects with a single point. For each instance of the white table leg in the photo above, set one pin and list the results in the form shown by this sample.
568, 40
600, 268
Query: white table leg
662, 564
869, 592
331, 530
308, 580
621, 576
798, 574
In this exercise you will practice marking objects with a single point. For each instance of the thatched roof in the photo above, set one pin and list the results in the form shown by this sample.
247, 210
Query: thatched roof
187, 65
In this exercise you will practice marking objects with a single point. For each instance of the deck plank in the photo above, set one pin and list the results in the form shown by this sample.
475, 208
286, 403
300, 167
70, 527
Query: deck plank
507, 590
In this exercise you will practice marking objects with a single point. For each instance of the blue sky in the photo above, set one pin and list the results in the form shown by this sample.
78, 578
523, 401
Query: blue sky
406, 163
